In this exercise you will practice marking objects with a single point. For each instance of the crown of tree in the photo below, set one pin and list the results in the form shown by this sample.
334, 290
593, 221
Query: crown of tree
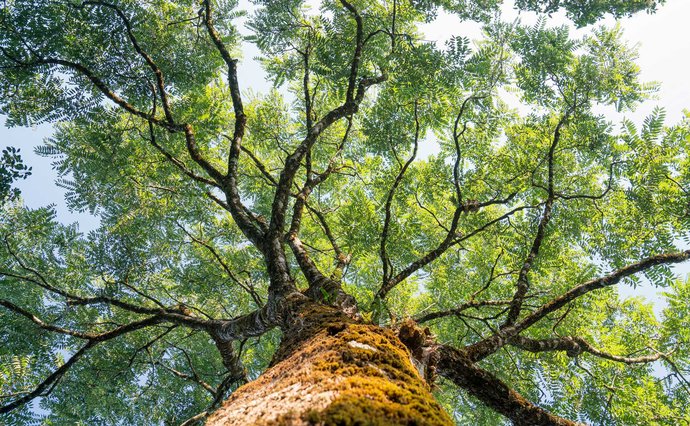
382, 238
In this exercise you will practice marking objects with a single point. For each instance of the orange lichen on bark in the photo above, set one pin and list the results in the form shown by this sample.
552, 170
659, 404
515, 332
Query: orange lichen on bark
333, 371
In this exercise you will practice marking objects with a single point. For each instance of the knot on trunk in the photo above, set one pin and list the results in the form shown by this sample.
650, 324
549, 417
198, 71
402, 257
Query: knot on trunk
422, 346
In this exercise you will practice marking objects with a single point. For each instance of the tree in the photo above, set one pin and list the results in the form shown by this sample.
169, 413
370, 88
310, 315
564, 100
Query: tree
302, 241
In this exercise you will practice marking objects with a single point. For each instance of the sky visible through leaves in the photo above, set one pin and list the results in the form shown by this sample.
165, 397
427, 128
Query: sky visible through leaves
664, 56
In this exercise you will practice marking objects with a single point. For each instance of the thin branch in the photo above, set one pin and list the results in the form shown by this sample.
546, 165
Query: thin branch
224, 265
177, 162
262, 168
50, 382
342, 259
348, 108
522, 281
46, 326
385, 261
451, 237
460, 308
450, 240
197, 418
147, 58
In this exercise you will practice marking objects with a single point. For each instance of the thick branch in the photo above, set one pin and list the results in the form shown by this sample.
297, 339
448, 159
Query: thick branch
319, 283
246, 221
486, 347
457, 367
231, 360
253, 324
574, 346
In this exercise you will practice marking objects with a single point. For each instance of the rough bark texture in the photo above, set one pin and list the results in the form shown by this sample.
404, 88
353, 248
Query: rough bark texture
457, 367
331, 370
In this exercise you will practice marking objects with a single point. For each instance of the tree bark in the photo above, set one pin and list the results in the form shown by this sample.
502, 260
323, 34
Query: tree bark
333, 370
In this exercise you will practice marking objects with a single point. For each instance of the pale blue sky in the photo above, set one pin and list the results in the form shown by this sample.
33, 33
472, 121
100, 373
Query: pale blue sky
664, 57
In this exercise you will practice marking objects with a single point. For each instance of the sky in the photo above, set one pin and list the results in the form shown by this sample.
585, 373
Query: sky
664, 56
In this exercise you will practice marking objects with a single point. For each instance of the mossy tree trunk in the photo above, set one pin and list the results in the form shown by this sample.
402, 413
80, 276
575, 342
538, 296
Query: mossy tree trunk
331, 370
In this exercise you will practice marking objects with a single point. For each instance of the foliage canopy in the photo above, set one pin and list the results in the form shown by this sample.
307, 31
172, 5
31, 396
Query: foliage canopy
215, 204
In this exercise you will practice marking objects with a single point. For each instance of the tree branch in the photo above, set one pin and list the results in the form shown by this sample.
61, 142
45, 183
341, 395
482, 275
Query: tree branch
486, 347
52, 379
522, 281
574, 346
460, 308
385, 261
147, 58
494, 393
225, 266
247, 222
451, 239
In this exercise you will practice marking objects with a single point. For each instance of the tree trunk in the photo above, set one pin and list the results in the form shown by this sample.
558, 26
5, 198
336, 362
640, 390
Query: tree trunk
332, 370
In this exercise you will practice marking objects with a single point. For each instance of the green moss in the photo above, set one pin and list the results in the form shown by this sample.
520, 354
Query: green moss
356, 374
378, 387
377, 384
